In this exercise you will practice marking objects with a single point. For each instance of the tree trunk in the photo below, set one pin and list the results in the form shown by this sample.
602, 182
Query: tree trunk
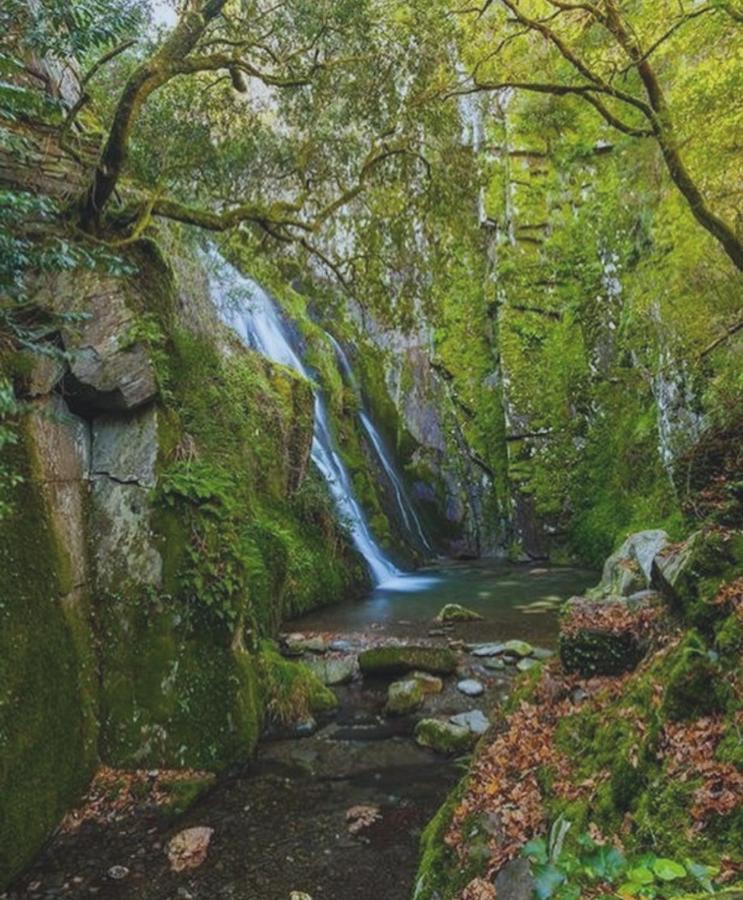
146, 78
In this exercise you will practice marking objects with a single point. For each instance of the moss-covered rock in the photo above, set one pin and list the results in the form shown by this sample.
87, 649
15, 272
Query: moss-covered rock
455, 612
404, 697
397, 660
593, 652
48, 702
444, 737
689, 574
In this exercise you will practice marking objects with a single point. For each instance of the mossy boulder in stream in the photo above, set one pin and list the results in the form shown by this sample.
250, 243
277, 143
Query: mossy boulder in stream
454, 612
404, 697
397, 660
444, 737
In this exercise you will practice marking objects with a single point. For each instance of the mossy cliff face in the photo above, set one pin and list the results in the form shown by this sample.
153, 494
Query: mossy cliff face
48, 705
164, 519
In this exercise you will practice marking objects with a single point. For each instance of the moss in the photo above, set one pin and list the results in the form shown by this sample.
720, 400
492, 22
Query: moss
183, 793
443, 737
398, 660
291, 689
439, 875
599, 652
47, 699
693, 685
729, 640
176, 691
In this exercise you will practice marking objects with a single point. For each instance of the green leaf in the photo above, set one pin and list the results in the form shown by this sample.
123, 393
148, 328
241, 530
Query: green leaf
668, 869
641, 875
606, 863
547, 878
536, 850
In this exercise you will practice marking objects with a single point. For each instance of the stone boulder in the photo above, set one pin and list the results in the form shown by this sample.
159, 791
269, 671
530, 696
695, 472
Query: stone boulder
605, 637
404, 697
692, 571
475, 721
333, 670
454, 612
629, 569
443, 737
430, 684
397, 660
518, 648
109, 369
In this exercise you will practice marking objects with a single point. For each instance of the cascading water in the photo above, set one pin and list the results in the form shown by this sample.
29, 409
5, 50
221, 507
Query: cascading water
247, 308
407, 511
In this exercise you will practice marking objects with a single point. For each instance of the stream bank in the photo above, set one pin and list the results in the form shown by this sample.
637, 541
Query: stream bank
280, 824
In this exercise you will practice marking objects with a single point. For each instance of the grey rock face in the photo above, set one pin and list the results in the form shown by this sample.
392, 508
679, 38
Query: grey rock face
333, 670
124, 454
125, 448
630, 569
515, 881
471, 687
108, 371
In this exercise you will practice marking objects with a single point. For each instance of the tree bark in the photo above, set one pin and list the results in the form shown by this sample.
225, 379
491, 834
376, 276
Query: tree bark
146, 78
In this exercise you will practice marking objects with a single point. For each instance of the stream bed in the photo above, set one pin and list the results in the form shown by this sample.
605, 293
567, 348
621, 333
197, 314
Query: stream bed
281, 824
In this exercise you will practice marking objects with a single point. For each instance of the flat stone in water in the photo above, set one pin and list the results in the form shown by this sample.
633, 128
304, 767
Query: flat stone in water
470, 687
518, 648
333, 670
542, 653
495, 663
340, 645
487, 649
523, 665
474, 720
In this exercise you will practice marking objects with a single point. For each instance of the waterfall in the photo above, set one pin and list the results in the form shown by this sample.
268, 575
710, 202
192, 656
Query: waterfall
405, 506
253, 314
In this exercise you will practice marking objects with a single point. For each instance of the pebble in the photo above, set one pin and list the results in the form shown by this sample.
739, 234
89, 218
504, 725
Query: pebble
487, 649
474, 720
341, 646
118, 872
494, 663
470, 687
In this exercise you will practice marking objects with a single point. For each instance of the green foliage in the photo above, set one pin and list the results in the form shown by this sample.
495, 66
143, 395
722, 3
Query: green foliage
564, 873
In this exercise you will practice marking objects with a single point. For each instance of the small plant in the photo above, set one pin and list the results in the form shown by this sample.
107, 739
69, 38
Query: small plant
561, 874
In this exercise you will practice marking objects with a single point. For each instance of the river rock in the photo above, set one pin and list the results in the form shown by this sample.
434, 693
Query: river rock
487, 649
443, 737
404, 697
523, 665
515, 881
494, 663
333, 670
542, 653
188, 849
474, 720
455, 612
430, 684
311, 644
341, 645
518, 648
397, 660
471, 687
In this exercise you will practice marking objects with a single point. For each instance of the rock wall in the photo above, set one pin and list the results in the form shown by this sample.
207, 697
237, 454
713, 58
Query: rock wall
163, 521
